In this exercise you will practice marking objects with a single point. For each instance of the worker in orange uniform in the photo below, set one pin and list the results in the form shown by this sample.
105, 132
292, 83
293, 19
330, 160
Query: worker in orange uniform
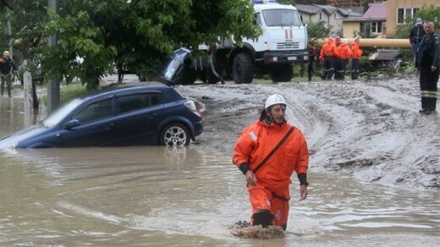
327, 56
344, 54
268, 152
356, 54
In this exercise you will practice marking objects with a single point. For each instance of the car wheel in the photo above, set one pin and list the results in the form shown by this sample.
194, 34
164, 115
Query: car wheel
174, 134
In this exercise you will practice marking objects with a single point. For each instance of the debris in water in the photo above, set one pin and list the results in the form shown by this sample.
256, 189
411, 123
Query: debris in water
243, 229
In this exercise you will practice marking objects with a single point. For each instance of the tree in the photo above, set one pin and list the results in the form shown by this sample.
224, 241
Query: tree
94, 36
318, 30
24, 22
137, 33
366, 30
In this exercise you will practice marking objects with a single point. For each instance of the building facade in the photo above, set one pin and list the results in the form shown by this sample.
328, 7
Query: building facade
370, 24
333, 17
397, 10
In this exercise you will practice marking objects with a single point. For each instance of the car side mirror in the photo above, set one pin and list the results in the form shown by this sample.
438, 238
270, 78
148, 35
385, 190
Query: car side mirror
71, 124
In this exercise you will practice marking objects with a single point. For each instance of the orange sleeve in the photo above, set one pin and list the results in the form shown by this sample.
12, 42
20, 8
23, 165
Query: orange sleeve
303, 157
321, 54
244, 146
357, 52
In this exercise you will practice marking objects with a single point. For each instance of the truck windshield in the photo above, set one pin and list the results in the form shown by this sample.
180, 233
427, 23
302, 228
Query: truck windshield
281, 17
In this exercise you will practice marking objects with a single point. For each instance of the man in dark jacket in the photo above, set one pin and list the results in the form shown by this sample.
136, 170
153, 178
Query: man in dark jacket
7, 67
428, 65
415, 36
312, 60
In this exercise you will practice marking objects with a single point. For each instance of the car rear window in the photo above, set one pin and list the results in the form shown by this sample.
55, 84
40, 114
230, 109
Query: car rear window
138, 101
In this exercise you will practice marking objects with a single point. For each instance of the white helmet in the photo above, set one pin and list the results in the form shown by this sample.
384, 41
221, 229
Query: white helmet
274, 100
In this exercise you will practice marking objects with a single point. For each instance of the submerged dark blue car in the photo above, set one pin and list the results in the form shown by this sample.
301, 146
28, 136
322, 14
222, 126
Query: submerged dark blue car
154, 114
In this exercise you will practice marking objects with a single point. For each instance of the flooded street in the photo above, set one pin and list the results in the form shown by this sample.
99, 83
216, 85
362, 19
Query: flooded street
187, 196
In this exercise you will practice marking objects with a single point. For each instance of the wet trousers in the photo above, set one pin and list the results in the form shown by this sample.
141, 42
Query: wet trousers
329, 68
276, 202
311, 69
428, 87
354, 68
340, 66
5, 81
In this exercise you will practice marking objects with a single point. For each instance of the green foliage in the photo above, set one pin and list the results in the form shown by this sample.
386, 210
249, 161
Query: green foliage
132, 35
22, 30
431, 13
286, 2
366, 31
317, 30
68, 92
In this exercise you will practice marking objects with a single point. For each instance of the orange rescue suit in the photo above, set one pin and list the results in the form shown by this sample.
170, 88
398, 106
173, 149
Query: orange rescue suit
344, 51
356, 52
273, 178
328, 50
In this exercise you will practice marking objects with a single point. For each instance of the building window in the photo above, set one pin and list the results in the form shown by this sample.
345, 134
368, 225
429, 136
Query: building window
376, 27
404, 13
320, 16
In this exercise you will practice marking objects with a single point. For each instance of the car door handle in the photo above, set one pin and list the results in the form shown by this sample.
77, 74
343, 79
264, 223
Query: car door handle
109, 126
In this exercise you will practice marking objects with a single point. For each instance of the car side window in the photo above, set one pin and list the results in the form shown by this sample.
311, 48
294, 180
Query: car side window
138, 101
94, 112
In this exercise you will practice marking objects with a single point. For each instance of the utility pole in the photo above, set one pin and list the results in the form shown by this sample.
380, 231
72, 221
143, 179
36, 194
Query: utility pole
9, 32
53, 87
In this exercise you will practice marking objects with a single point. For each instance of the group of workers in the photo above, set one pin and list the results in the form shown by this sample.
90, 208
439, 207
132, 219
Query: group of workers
335, 55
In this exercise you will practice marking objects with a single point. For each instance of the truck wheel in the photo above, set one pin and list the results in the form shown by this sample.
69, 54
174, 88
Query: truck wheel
189, 77
282, 73
174, 134
211, 78
242, 69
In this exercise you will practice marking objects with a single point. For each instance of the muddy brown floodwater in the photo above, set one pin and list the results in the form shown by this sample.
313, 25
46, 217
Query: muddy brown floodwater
189, 196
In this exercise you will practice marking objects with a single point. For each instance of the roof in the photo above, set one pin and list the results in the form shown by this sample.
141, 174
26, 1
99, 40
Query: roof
308, 8
349, 13
312, 9
376, 11
327, 8
153, 85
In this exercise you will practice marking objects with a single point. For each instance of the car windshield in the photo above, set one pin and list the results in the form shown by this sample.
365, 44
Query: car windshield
281, 17
61, 113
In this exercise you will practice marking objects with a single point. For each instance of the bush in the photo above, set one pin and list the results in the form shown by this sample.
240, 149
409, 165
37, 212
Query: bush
68, 92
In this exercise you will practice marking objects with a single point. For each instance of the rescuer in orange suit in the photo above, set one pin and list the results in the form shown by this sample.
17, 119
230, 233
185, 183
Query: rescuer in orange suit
356, 53
344, 53
327, 56
268, 176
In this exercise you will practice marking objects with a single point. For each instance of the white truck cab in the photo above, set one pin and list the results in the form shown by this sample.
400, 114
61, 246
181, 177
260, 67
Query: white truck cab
282, 44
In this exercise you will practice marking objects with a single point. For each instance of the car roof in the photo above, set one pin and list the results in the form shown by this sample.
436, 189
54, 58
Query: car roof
148, 86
